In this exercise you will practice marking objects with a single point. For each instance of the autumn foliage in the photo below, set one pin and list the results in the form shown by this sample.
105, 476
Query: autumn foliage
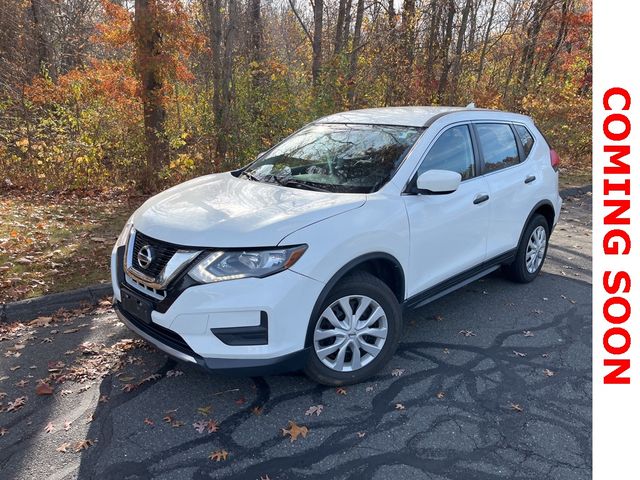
197, 87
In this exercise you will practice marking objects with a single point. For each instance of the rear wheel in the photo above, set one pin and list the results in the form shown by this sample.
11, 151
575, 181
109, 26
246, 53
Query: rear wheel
532, 251
356, 332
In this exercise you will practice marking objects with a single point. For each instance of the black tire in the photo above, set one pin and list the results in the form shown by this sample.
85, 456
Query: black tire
358, 283
517, 271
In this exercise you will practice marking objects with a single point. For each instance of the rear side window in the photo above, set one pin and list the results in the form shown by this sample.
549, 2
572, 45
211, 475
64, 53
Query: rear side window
525, 138
498, 146
452, 151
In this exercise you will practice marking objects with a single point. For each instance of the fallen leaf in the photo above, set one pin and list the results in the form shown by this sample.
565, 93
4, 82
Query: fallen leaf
44, 389
40, 322
212, 426
400, 406
103, 398
200, 426
22, 383
549, 373
397, 372
516, 407
361, 434
64, 447
218, 455
70, 330
3, 431
341, 391
528, 333
150, 378
177, 423
149, 422
13, 369
519, 354
50, 428
257, 410
440, 395
67, 425
175, 373
314, 409
17, 404
295, 430
467, 333
129, 387
83, 445
240, 401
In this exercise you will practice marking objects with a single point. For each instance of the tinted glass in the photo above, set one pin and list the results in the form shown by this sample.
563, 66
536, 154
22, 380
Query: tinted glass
336, 157
452, 151
498, 146
525, 138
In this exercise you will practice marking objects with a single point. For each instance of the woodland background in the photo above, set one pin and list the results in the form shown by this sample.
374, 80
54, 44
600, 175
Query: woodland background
103, 102
147, 93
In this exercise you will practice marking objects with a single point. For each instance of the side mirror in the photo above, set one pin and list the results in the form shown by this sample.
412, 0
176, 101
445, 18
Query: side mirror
438, 182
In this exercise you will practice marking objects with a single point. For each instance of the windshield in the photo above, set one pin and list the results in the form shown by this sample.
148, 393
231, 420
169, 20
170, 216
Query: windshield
336, 157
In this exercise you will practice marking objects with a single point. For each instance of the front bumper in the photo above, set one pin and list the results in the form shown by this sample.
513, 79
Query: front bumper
248, 367
250, 326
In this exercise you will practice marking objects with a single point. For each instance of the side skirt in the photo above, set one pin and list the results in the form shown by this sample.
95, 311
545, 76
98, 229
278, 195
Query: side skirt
458, 281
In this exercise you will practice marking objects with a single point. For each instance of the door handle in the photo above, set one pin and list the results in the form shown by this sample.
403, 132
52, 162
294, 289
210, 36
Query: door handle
530, 178
480, 199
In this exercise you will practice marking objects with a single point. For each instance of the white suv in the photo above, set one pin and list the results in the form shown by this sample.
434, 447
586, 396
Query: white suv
305, 258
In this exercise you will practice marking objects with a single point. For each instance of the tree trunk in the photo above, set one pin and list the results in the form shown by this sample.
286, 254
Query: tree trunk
316, 65
485, 42
148, 53
353, 61
457, 60
44, 50
567, 5
446, 44
337, 42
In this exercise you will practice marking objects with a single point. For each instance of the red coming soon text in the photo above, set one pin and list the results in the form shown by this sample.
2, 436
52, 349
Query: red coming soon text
617, 240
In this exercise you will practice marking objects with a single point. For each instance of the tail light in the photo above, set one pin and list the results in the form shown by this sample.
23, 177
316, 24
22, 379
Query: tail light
555, 160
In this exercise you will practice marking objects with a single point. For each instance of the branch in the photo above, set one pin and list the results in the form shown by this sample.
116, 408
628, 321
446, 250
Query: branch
306, 31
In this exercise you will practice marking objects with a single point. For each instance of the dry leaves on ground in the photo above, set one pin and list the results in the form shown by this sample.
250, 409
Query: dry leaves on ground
314, 410
218, 455
295, 430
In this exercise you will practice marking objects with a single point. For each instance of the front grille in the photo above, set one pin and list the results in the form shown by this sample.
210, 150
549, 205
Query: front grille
162, 253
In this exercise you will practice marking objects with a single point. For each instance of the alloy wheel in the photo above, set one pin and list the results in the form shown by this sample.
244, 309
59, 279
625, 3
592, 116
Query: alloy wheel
350, 333
536, 248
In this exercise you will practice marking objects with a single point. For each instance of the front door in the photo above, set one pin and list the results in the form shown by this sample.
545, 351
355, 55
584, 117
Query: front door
448, 232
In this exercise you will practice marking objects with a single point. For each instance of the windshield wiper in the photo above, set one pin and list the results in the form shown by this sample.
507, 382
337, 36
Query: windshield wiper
300, 184
250, 176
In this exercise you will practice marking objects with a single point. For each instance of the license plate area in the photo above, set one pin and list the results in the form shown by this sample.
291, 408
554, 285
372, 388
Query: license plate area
136, 306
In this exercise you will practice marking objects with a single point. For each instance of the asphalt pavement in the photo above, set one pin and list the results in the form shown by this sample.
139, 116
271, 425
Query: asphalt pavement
490, 382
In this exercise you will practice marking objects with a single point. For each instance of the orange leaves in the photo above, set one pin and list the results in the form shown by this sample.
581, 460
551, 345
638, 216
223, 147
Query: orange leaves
43, 389
218, 455
295, 430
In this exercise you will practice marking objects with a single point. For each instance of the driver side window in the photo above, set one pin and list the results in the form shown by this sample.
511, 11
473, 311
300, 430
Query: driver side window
452, 151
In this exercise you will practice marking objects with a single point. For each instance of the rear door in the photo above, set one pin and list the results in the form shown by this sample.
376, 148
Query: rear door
511, 183
448, 232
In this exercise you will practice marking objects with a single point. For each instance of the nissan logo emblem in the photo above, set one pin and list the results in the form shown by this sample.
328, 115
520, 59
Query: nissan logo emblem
145, 256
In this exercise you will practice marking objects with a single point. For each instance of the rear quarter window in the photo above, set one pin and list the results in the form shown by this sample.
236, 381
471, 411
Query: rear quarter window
525, 138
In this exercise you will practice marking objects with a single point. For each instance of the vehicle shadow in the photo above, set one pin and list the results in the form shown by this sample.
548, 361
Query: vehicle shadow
492, 381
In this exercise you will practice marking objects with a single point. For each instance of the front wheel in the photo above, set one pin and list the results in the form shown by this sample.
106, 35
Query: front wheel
532, 251
356, 332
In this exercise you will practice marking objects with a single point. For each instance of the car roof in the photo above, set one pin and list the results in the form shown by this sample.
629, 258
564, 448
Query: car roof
402, 116
405, 116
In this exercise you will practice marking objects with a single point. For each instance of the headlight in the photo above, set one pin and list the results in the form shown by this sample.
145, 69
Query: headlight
219, 266
124, 235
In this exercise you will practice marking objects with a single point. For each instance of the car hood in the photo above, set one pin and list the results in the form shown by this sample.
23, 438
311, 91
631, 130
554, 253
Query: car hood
221, 210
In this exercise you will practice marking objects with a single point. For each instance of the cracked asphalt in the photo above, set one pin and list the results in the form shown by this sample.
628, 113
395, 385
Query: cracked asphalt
491, 382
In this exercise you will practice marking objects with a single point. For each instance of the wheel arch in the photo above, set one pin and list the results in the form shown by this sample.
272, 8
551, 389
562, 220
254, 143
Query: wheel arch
544, 208
380, 264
